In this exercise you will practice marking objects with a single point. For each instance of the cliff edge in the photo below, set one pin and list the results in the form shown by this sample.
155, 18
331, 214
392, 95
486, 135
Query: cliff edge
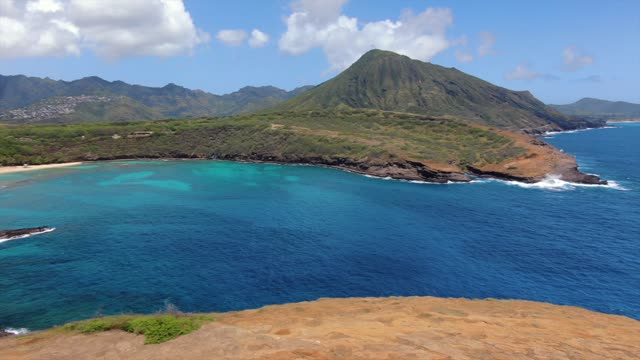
366, 328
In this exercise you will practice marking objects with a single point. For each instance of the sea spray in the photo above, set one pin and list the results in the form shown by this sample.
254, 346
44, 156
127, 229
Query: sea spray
17, 331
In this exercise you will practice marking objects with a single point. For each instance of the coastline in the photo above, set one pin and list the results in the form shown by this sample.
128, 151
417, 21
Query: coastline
542, 163
16, 169
411, 172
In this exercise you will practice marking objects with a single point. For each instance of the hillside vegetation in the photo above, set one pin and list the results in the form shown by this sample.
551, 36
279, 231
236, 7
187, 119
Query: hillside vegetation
388, 81
355, 133
376, 142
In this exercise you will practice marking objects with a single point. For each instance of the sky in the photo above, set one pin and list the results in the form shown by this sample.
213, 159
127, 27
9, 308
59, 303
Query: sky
561, 51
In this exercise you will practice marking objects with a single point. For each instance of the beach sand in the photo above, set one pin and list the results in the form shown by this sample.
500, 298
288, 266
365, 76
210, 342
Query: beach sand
14, 169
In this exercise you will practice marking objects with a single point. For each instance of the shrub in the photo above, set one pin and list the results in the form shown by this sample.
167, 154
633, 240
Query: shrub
92, 326
155, 328
163, 328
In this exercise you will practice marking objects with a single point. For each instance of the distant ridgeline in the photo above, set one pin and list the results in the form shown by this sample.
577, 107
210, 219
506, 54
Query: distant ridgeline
34, 100
601, 109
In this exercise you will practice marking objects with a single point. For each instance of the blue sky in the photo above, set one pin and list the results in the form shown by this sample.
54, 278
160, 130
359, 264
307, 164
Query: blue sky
559, 50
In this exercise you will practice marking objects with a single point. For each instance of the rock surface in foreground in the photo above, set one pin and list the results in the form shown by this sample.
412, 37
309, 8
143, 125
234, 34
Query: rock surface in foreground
367, 328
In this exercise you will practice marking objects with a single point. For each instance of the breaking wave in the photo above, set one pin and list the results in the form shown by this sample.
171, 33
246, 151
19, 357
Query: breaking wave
553, 183
17, 331
550, 134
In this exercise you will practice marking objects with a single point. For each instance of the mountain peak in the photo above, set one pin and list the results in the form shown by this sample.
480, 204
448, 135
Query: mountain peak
388, 81
378, 54
172, 86
95, 79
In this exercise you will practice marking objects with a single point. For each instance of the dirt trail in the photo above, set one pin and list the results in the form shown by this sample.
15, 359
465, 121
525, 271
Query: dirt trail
367, 328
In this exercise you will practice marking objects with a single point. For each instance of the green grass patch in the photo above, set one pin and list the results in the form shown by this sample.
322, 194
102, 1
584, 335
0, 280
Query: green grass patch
155, 328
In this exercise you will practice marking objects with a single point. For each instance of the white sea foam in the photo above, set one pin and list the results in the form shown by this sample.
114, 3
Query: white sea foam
17, 331
425, 182
550, 134
27, 235
553, 183
444, 183
378, 177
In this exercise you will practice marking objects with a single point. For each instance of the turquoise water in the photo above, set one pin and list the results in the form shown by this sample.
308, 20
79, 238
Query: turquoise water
216, 236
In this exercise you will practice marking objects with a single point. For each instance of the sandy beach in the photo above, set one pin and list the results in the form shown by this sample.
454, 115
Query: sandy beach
14, 169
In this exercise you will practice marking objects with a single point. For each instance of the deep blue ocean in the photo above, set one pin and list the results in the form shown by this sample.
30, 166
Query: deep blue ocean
217, 236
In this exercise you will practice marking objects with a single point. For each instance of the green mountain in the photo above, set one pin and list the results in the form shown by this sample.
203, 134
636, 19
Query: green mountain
170, 101
608, 110
387, 81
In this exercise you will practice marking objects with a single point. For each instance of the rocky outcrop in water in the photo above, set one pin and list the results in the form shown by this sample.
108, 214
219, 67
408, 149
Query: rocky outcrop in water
21, 233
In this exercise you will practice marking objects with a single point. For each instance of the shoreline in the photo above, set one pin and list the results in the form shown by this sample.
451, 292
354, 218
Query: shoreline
553, 133
17, 169
444, 178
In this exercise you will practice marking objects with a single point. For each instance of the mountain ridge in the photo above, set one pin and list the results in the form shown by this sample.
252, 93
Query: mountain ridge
604, 109
169, 101
391, 82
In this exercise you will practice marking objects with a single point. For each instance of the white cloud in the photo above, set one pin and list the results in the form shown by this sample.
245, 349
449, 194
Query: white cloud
321, 24
232, 37
7, 8
574, 59
464, 57
487, 40
258, 39
524, 72
45, 6
121, 28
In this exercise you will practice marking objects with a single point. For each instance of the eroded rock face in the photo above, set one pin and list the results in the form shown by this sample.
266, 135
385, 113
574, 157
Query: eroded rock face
572, 174
366, 328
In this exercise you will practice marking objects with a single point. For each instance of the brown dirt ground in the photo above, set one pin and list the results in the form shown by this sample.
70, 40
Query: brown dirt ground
547, 159
366, 328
